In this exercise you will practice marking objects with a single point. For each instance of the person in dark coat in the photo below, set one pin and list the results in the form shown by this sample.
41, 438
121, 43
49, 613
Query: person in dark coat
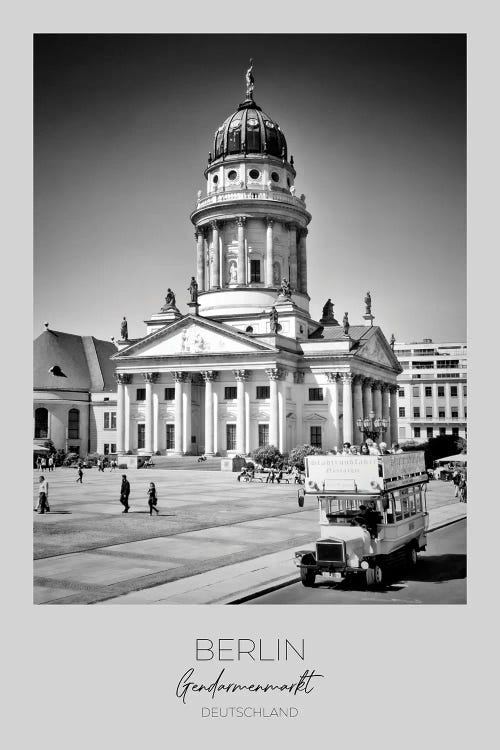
124, 493
80, 475
152, 499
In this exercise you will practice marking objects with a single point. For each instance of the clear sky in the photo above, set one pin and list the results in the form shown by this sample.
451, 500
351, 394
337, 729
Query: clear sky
377, 127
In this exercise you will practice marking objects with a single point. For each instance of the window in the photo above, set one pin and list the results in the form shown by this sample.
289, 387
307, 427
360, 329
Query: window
416, 432
441, 390
110, 420
263, 435
231, 437
262, 392
41, 422
109, 448
428, 391
140, 394
416, 412
106, 449
454, 390
73, 424
315, 394
454, 431
232, 175
428, 412
230, 393
404, 364
465, 391
254, 174
401, 393
454, 413
430, 432
316, 437
74, 449
448, 363
442, 430
465, 412
422, 365
275, 177
106, 398
441, 413
215, 179
402, 411
141, 435
169, 394
170, 437
113, 447
254, 271
416, 391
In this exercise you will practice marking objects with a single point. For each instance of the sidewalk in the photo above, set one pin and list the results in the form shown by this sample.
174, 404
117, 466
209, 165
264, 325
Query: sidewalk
232, 583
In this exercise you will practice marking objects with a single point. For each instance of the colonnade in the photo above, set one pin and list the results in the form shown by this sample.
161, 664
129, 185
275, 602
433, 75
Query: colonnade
355, 394
211, 275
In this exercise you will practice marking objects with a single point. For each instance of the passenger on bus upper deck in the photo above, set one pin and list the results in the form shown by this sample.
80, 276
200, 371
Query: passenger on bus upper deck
372, 447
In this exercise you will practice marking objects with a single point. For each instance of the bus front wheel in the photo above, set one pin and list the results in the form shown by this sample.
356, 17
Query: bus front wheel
307, 576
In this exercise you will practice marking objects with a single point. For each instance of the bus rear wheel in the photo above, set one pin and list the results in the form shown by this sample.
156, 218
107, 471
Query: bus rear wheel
412, 555
308, 577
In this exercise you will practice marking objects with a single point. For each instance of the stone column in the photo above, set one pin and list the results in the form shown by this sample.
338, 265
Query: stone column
298, 379
273, 374
367, 397
127, 445
248, 444
292, 235
460, 391
155, 422
241, 250
303, 260
333, 406
215, 255
150, 378
357, 398
186, 416
241, 377
200, 258
269, 251
347, 405
121, 379
209, 377
377, 398
282, 446
393, 410
179, 380
386, 413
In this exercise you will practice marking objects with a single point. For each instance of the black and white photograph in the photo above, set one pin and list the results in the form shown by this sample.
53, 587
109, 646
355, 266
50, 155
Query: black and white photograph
250, 351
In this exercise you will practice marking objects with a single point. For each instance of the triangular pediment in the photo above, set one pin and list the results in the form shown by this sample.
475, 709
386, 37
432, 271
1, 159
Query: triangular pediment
193, 336
314, 418
377, 349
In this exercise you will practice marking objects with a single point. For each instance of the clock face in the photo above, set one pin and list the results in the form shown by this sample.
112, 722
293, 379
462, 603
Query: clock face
252, 121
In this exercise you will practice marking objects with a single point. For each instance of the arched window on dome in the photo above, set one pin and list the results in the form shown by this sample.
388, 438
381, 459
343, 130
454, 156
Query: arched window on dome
73, 424
234, 137
253, 136
219, 143
272, 142
41, 422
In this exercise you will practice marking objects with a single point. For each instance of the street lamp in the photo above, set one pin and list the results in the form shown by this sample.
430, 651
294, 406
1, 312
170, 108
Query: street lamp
371, 426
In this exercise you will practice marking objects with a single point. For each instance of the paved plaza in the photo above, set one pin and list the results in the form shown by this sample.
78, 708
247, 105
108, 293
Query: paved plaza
86, 550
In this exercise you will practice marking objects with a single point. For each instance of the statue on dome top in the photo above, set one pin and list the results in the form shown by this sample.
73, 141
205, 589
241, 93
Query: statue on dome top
328, 309
250, 80
124, 329
345, 323
169, 300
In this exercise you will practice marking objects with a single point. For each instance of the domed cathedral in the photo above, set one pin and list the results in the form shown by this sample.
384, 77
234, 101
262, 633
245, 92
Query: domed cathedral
251, 227
248, 366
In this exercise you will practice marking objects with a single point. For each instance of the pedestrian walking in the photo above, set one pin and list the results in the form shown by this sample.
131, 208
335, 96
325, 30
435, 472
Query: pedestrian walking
152, 499
39, 463
43, 464
456, 480
51, 463
80, 475
112, 465
43, 496
124, 493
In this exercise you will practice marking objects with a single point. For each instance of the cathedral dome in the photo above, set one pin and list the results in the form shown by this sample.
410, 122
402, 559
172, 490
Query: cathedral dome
249, 131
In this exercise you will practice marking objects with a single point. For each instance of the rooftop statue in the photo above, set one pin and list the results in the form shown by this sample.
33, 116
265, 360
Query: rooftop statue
169, 300
393, 341
285, 288
250, 80
368, 303
328, 309
193, 289
124, 329
273, 319
345, 323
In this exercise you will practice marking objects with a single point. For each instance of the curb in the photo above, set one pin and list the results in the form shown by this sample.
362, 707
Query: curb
268, 589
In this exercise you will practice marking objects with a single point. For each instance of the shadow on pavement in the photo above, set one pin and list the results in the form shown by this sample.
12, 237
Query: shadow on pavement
438, 568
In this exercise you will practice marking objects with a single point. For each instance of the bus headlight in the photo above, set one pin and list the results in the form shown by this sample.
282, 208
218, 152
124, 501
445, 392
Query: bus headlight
365, 565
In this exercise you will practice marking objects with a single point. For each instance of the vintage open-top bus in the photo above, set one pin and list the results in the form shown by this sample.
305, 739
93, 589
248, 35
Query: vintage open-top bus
372, 515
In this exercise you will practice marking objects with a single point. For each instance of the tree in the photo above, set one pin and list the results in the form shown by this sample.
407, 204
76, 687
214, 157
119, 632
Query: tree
298, 454
266, 455
437, 447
